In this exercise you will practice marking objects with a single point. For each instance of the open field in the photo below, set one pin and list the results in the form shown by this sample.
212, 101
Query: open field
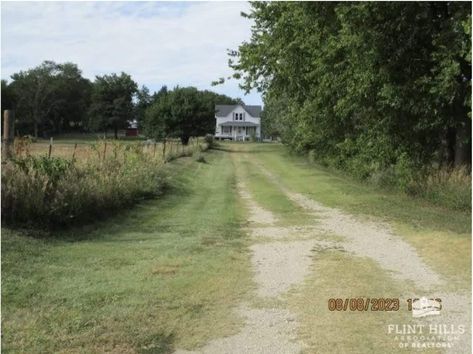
243, 251
81, 147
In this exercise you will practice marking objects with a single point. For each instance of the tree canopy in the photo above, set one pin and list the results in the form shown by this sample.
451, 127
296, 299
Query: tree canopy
112, 102
183, 112
53, 98
367, 85
50, 96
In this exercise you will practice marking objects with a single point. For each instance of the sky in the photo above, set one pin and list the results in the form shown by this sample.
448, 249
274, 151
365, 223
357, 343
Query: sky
157, 43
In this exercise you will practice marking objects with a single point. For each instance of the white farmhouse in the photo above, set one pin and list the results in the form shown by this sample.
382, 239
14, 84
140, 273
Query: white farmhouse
237, 122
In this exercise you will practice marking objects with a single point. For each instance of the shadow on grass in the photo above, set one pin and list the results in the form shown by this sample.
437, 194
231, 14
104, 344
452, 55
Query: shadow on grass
246, 148
158, 344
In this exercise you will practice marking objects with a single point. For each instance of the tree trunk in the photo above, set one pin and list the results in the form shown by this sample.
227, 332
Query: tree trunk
115, 129
185, 139
462, 146
450, 153
35, 127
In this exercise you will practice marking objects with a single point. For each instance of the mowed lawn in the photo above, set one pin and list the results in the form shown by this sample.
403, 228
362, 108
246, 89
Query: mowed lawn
163, 275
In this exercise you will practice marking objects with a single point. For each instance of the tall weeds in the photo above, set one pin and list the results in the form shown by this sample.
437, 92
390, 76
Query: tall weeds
38, 191
445, 187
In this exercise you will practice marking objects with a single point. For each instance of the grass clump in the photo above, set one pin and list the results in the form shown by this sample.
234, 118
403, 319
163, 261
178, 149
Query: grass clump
209, 140
200, 158
41, 191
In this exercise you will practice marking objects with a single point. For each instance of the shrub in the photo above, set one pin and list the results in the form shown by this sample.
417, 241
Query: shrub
49, 192
312, 155
200, 158
450, 188
209, 140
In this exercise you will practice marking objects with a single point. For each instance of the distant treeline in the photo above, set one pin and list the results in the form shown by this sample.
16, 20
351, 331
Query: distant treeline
55, 98
364, 86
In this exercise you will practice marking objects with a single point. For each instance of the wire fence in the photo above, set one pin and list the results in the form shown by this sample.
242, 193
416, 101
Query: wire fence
165, 150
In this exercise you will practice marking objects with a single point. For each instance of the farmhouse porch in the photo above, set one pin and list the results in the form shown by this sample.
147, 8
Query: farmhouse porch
238, 131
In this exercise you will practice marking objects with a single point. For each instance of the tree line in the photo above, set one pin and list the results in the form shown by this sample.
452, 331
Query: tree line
55, 98
365, 86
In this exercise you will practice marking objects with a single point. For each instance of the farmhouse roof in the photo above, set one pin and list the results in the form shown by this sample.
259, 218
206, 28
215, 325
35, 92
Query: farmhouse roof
222, 110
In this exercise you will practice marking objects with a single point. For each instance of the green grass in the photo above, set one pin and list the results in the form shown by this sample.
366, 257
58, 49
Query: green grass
268, 196
336, 190
164, 275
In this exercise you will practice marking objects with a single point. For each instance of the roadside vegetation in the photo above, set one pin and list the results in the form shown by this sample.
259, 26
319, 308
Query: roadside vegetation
380, 91
165, 274
50, 192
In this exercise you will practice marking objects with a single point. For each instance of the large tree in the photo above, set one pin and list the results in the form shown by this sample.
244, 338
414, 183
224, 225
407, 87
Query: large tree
183, 112
372, 81
112, 102
50, 96
143, 101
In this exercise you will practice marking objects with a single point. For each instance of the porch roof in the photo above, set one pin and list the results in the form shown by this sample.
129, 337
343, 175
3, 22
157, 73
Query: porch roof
239, 124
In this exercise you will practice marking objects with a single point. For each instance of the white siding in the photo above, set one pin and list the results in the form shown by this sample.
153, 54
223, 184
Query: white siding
247, 118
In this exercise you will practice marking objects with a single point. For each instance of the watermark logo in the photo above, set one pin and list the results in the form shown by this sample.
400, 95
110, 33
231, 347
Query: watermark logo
424, 336
426, 307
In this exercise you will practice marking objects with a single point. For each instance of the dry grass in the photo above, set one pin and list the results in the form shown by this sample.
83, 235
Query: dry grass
340, 275
76, 183
449, 187
84, 150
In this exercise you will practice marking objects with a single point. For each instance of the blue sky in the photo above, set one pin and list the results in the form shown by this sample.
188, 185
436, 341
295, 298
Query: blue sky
158, 43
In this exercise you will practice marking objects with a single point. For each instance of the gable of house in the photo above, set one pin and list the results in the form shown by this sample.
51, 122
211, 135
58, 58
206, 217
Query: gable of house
222, 111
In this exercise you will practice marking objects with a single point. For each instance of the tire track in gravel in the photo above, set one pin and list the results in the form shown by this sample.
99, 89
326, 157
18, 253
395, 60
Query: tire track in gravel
366, 239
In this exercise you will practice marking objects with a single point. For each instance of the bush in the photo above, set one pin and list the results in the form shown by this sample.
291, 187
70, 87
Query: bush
450, 188
312, 155
50, 192
200, 158
209, 140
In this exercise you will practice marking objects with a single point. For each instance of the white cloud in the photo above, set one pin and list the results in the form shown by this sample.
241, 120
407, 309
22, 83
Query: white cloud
156, 42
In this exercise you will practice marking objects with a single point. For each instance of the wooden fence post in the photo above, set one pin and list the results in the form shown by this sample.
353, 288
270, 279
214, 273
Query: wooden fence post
164, 149
104, 150
74, 152
50, 146
8, 130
